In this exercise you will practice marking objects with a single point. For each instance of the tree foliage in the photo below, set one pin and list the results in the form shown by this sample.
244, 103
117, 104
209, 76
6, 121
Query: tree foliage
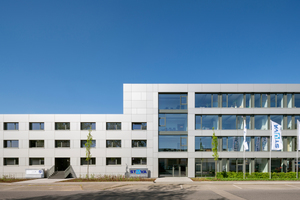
214, 144
88, 145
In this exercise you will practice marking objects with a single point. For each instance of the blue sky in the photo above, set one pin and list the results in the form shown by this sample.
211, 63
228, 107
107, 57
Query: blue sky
74, 56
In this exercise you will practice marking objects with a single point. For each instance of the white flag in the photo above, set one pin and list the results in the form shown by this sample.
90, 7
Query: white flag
298, 130
245, 133
276, 136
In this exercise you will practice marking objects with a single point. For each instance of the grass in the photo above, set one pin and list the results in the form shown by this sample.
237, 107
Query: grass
11, 179
241, 179
108, 178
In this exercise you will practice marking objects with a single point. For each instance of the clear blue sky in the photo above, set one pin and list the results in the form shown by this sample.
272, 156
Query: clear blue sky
74, 56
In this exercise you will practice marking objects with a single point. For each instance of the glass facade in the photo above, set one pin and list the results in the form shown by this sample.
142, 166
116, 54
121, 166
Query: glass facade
207, 122
228, 122
297, 100
172, 143
203, 143
204, 167
206, 100
172, 101
261, 122
172, 122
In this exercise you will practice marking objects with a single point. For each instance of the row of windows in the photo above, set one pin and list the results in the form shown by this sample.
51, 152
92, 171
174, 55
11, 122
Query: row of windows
255, 122
66, 126
83, 161
66, 143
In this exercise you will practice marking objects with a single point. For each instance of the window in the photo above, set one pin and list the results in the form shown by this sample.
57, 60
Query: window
204, 167
139, 143
261, 144
82, 143
206, 122
261, 122
276, 100
36, 126
139, 126
11, 126
113, 143
235, 143
203, 143
62, 143
172, 122
289, 100
88, 125
248, 101
113, 125
172, 142
278, 119
11, 143
139, 161
83, 161
297, 118
261, 165
36, 143
297, 100
113, 161
261, 100
228, 122
206, 100
62, 125
36, 161
289, 122
235, 101
11, 161
172, 101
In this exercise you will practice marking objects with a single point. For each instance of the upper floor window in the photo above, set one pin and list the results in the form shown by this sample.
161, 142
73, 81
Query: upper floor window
233, 100
36, 161
203, 143
36, 126
62, 143
62, 125
82, 143
113, 143
172, 122
11, 126
139, 143
261, 122
10, 143
36, 143
139, 126
11, 161
83, 161
88, 125
261, 100
172, 143
206, 100
113, 126
276, 100
297, 100
172, 101
207, 122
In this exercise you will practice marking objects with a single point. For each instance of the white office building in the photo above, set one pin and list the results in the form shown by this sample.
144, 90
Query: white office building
166, 128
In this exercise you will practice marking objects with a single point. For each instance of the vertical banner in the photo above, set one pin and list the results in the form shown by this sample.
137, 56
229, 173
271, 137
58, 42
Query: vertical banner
298, 134
276, 136
245, 133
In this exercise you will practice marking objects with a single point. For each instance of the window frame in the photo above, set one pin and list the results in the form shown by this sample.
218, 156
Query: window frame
137, 142
116, 161
62, 143
36, 142
67, 126
113, 143
42, 161
11, 146
40, 125
16, 126
142, 124
83, 161
115, 125
91, 125
140, 159
14, 158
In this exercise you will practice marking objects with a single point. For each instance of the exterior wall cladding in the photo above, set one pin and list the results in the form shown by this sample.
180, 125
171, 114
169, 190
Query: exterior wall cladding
175, 146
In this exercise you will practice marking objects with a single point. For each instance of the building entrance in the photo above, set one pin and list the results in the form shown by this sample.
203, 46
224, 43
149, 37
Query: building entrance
61, 164
173, 167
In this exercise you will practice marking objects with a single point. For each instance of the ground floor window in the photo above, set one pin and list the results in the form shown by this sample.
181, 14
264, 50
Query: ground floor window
139, 161
83, 161
173, 167
204, 167
113, 161
36, 161
11, 161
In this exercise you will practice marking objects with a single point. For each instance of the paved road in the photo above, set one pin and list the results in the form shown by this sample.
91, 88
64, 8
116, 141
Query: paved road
141, 190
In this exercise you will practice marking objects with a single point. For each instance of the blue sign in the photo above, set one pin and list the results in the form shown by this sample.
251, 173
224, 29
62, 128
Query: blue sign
141, 172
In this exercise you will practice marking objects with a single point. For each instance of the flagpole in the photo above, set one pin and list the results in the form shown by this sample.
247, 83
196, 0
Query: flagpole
270, 150
298, 132
244, 164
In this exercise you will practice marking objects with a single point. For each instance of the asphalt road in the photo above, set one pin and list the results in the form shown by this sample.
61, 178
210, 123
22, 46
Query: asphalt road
138, 190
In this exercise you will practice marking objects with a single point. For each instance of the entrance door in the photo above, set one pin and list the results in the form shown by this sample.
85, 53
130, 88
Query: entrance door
173, 167
61, 164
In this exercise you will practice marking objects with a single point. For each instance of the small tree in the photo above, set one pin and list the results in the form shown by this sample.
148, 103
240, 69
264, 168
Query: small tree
214, 145
88, 154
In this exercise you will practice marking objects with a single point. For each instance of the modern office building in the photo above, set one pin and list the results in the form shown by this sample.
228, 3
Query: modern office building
166, 128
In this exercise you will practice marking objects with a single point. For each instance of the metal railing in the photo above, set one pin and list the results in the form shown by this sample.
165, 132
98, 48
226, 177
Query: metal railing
50, 171
70, 170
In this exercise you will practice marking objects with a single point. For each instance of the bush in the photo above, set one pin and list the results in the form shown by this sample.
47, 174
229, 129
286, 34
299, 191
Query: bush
257, 175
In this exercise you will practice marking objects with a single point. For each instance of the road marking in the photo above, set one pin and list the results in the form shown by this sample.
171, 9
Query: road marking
237, 187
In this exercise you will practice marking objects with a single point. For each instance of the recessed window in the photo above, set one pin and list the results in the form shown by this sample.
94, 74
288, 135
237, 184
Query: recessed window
139, 161
139, 126
11, 143
36, 161
11, 126
82, 143
36, 126
113, 161
11, 161
88, 125
62, 125
139, 143
62, 143
113, 126
36, 143
113, 143
83, 161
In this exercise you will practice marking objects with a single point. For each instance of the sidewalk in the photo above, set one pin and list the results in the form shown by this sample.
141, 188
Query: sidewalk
38, 181
173, 180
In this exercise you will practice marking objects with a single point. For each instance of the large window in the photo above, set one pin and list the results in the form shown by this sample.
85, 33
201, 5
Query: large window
289, 98
261, 100
36, 126
261, 165
278, 119
138, 161
235, 101
261, 122
11, 143
82, 143
172, 101
11, 126
276, 100
88, 125
172, 143
204, 167
11, 161
139, 143
207, 122
113, 161
113, 125
261, 143
62, 143
36, 143
139, 125
206, 100
203, 143
36, 161
297, 100
172, 122
248, 101
228, 122
62, 125
297, 118
113, 143
83, 161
